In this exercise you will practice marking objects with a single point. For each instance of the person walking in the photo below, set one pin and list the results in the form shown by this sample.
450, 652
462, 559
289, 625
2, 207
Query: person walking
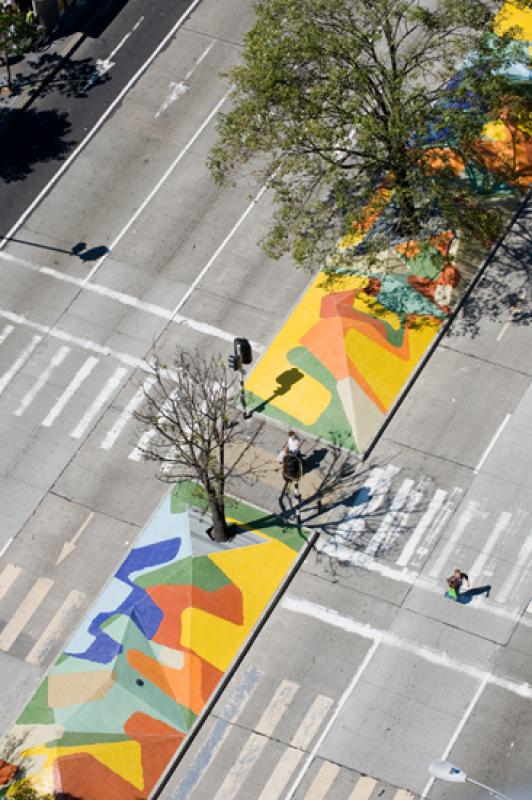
292, 447
454, 582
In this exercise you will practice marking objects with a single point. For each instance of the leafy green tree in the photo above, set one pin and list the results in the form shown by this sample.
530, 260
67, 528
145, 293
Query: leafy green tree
24, 790
15, 35
350, 107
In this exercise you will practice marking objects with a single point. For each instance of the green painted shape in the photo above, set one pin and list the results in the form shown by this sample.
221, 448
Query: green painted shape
250, 517
190, 571
38, 712
397, 296
77, 738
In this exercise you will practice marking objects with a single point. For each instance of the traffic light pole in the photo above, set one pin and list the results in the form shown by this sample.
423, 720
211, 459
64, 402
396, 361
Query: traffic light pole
247, 415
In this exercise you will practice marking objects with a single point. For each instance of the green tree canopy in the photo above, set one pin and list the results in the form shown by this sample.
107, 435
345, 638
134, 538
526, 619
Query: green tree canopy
342, 102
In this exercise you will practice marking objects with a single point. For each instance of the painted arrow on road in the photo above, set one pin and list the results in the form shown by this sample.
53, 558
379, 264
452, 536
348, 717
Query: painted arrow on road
70, 546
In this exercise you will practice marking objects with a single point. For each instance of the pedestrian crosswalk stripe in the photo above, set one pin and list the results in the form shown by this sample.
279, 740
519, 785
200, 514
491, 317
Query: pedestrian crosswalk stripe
8, 577
282, 698
384, 532
424, 523
102, 397
282, 773
114, 432
312, 721
238, 773
6, 330
24, 613
30, 396
55, 627
81, 375
501, 525
17, 365
471, 511
518, 573
363, 788
402, 794
323, 781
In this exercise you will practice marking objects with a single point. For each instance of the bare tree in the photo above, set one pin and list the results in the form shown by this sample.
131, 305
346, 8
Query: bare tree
193, 429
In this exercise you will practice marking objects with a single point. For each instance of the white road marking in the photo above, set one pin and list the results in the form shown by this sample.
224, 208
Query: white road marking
470, 512
426, 520
469, 710
503, 330
5, 332
502, 523
330, 616
53, 630
312, 721
70, 546
119, 297
489, 448
402, 794
513, 579
391, 524
82, 373
339, 706
24, 612
177, 89
276, 708
217, 252
30, 396
323, 781
103, 65
113, 433
131, 221
238, 773
137, 454
86, 344
106, 393
8, 577
363, 788
282, 773
17, 365
96, 127
376, 486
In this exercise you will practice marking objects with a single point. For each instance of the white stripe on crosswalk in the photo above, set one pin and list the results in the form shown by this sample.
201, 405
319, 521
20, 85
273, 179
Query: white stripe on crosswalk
24, 612
137, 454
385, 531
102, 397
377, 484
323, 781
312, 721
282, 773
276, 708
6, 330
363, 788
30, 396
502, 523
514, 579
53, 630
82, 373
424, 523
238, 773
470, 512
17, 365
402, 794
8, 577
114, 432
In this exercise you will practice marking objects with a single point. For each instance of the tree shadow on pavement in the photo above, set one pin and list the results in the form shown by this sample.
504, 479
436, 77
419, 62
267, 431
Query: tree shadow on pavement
33, 137
504, 292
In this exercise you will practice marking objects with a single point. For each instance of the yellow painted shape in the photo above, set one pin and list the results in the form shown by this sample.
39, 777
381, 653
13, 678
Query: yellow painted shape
509, 16
308, 398
123, 758
496, 131
369, 306
257, 571
383, 370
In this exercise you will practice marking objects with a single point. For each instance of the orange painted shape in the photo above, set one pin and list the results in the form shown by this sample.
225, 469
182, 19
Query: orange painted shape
158, 743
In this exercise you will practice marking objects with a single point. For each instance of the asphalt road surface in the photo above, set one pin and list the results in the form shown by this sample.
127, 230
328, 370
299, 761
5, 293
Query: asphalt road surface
134, 246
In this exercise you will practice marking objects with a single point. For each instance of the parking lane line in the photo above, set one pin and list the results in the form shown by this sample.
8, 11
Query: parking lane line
491, 445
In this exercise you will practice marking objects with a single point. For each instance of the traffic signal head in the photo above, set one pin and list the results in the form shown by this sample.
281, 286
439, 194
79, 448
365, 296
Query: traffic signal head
243, 348
233, 362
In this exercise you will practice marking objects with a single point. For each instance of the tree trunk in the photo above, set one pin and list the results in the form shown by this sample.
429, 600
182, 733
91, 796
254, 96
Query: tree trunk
8, 69
218, 532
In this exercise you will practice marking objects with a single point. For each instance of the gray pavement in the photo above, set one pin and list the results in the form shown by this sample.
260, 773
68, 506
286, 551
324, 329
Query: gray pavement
364, 671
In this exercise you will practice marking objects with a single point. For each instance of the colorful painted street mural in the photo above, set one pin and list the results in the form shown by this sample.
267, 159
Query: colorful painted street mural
128, 687
347, 351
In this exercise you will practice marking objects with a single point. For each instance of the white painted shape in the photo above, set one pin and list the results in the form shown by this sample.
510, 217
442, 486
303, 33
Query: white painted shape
276, 708
386, 529
521, 563
436, 502
470, 512
238, 773
24, 612
402, 794
6, 546
363, 788
6, 330
284, 769
377, 485
503, 330
106, 393
312, 721
8, 577
17, 365
30, 396
502, 523
177, 89
69, 547
55, 627
82, 373
113, 433
323, 781
491, 445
